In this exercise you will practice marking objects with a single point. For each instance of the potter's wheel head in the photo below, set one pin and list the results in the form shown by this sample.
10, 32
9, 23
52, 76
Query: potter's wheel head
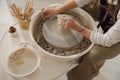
59, 37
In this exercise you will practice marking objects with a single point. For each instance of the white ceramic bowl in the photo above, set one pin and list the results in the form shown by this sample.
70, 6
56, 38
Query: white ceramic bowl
19, 47
56, 57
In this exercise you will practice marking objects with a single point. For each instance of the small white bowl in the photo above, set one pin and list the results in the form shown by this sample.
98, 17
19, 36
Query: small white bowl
23, 46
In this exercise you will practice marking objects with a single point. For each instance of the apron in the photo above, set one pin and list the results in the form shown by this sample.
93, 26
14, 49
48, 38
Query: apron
108, 15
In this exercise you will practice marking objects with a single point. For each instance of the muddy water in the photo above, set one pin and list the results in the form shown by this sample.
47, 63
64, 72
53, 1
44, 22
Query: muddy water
22, 62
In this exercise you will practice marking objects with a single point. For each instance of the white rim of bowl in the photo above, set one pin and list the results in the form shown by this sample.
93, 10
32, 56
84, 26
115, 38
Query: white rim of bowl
16, 48
35, 17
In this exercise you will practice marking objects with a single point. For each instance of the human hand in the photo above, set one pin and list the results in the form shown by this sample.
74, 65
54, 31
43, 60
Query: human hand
69, 23
50, 11
72, 24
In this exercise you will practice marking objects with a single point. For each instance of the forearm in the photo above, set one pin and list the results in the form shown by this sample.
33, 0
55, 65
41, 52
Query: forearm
98, 38
84, 31
70, 4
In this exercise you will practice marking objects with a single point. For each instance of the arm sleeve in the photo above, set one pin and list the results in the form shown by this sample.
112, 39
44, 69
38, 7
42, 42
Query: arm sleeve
81, 3
109, 38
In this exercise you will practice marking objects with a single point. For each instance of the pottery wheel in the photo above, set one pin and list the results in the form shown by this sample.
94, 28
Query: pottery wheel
59, 37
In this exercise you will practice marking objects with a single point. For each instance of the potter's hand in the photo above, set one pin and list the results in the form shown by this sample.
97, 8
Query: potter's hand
68, 23
72, 24
50, 11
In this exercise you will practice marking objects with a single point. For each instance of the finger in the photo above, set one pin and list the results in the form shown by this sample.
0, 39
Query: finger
45, 12
47, 16
63, 24
42, 9
61, 20
67, 26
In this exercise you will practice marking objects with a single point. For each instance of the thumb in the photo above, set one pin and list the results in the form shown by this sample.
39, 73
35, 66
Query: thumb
67, 26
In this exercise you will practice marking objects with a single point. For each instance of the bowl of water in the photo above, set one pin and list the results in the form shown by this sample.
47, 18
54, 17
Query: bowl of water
22, 60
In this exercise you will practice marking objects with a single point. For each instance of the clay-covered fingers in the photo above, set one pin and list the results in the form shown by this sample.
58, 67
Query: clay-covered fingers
46, 12
71, 24
62, 20
67, 24
49, 11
